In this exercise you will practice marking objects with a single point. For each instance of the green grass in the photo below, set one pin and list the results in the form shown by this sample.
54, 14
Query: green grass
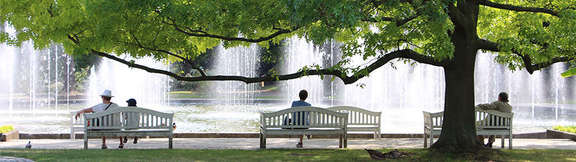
281, 155
571, 129
6, 128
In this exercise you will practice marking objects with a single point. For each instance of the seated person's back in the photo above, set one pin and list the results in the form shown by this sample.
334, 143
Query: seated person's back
500, 105
301, 118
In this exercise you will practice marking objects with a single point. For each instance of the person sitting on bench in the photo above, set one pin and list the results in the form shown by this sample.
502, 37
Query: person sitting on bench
105, 105
500, 105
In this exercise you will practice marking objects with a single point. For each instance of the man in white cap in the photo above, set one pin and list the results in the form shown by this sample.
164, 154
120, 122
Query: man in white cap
105, 105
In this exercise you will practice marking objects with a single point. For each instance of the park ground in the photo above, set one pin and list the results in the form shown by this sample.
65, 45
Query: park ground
282, 155
280, 149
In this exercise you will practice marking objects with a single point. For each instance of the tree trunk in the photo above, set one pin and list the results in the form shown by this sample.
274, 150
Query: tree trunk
459, 128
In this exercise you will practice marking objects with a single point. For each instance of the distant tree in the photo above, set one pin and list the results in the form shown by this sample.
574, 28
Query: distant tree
530, 34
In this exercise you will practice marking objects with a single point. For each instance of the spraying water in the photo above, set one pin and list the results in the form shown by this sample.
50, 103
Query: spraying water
150, 90
240, 61
299, 53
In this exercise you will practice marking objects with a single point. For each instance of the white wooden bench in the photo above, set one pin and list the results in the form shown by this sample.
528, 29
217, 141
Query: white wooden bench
317, 121
361, 120
128, 121
488, 122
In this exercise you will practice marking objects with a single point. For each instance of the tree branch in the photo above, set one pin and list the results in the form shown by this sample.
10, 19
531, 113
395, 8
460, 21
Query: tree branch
530, 67
398, 22
201, 33
405, 53
139, 44
517, 8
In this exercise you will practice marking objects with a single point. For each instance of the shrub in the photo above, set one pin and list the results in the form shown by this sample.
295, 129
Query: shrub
571, 129
6, 128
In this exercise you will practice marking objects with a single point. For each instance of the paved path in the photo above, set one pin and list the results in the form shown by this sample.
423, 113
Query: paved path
253, 143
13, 159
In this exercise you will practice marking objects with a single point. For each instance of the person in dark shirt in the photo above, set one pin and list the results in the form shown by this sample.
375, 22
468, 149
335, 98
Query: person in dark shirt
132, 103
301, 103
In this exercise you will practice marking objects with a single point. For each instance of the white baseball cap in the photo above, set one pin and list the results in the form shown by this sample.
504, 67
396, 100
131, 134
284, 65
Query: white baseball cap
107, 93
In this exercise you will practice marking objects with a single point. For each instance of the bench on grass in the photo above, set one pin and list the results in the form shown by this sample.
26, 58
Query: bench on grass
304, 121
361, 120
128, 121
488, 122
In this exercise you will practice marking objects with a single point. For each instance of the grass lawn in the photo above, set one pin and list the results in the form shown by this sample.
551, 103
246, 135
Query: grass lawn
281, 155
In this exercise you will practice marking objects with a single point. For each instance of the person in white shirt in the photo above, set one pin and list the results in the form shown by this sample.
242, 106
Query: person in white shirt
105, 105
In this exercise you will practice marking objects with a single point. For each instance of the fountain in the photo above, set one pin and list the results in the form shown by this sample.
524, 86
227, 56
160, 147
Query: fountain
32, 83
37, 89
241, 61
150, 90
7, 66
299, 53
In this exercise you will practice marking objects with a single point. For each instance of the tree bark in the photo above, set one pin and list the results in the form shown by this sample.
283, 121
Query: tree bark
459, 127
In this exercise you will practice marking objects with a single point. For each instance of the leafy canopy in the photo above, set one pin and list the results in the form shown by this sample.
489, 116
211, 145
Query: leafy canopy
171, 30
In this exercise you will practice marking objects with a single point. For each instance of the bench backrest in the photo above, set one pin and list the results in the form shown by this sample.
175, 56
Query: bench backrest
493, 119
314, 118
128, 118
358, 116
433, 120
484, 119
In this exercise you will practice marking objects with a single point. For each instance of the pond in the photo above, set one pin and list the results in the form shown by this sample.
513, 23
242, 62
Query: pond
206, 117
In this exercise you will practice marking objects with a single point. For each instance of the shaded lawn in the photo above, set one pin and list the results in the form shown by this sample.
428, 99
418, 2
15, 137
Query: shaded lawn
281, 155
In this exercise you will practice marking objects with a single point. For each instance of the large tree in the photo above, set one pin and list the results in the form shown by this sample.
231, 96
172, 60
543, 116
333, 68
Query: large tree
530, 34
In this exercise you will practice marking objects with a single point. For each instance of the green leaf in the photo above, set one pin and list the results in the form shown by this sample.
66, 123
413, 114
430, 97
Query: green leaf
570, 72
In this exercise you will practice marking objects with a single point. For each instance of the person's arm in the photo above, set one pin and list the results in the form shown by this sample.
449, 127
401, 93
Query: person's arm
489, 106
86, 110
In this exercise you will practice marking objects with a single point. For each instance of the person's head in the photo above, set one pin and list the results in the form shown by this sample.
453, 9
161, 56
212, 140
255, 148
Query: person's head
106, 96
503, 96
303, 95
131, 102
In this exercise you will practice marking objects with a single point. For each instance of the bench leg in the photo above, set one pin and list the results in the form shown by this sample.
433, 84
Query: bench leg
85, 142
262, 141
425, 140
72, 134
345, 141
340, 141
431, 138
502, 140
170, 142
510, 142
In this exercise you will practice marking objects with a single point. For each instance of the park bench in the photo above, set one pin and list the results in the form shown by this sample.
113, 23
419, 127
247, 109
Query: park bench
361, 120
488, 122
128, 121
304, 121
